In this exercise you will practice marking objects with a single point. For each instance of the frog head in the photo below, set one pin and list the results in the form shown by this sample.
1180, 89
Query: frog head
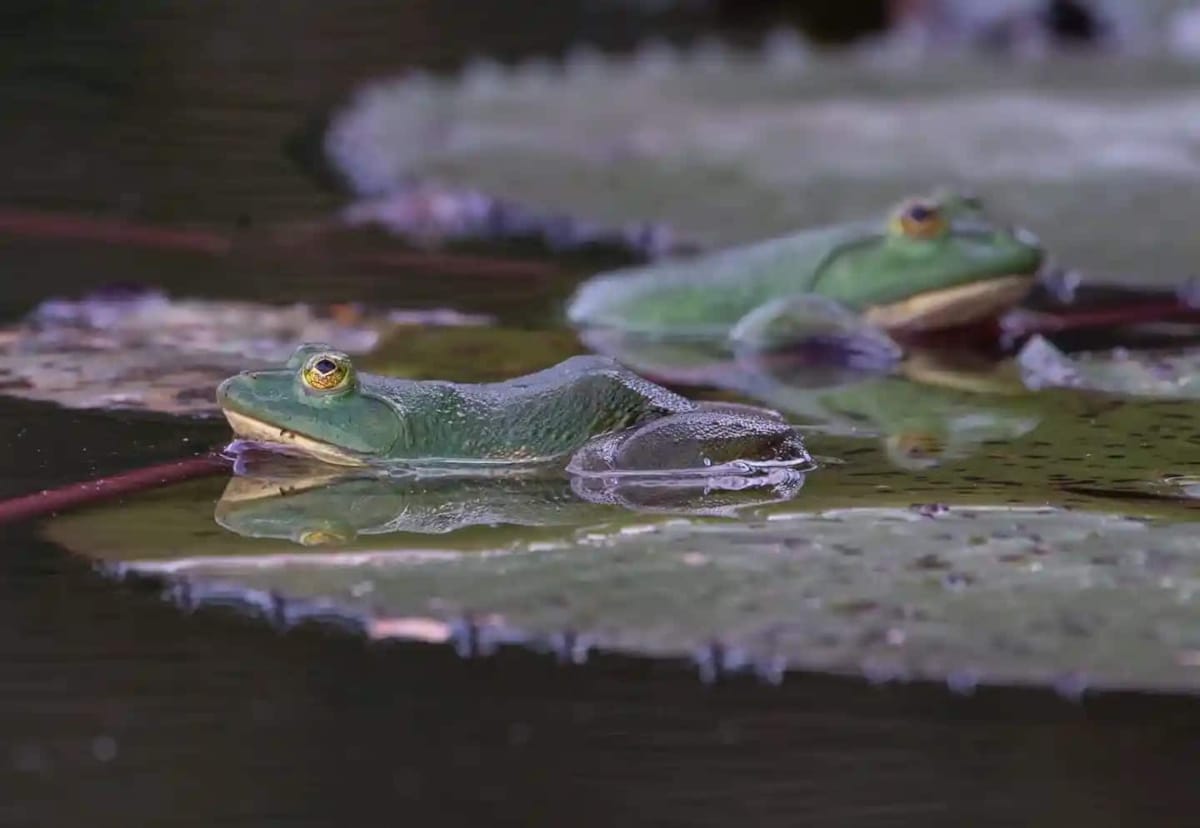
316, 405
936, 262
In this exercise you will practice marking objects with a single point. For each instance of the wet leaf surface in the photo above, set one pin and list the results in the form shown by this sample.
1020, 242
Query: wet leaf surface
958, 594
144, 350
1014, 563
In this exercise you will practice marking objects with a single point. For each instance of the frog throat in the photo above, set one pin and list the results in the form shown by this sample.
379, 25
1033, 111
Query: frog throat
249, 428
951, 307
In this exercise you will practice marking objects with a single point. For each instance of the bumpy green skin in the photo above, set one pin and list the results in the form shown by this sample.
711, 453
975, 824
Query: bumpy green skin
858, 264
530, 419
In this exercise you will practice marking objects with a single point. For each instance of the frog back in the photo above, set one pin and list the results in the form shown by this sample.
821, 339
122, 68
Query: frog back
536, 417
708, 295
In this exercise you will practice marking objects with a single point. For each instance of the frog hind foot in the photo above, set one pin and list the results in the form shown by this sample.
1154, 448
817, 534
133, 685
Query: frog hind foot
810, 321
708, 440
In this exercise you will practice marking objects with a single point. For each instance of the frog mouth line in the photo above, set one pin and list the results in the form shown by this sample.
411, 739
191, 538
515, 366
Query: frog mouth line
249, 428
951, 307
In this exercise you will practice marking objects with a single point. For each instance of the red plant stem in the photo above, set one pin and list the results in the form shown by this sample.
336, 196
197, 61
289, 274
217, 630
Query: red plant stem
40, 225
50, 501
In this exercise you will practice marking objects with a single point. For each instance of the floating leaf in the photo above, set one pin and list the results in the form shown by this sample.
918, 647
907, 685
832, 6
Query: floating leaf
147, 351
962, 595
726, 147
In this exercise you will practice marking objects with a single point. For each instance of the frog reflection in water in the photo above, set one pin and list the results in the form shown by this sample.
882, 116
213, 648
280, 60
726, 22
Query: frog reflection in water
319, 405
929, 409
934, 263
335, 508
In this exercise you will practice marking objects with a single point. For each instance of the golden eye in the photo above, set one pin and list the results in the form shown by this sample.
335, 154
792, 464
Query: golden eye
919, 220
326, 372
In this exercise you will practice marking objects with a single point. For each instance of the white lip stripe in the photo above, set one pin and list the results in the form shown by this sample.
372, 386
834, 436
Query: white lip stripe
249, 428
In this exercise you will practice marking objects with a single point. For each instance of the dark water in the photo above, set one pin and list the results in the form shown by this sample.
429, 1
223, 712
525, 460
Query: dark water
117, 708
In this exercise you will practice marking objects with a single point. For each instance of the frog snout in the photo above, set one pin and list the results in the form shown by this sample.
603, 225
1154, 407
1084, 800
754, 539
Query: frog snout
226, 387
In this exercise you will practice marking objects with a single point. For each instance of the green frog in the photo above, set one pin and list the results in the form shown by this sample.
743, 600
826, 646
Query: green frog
932, 263
319, 405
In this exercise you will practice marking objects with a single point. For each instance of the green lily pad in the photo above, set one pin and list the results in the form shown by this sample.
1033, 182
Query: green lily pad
963, 595
928, 410
1061, 553
728, 147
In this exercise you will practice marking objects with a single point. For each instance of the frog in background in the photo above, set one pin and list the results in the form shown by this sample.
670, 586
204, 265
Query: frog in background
931, 263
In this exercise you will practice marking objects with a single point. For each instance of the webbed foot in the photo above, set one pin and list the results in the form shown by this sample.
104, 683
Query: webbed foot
709, 440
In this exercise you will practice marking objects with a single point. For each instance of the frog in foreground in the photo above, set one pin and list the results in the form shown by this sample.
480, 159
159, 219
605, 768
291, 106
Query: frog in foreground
933, 263
588, 409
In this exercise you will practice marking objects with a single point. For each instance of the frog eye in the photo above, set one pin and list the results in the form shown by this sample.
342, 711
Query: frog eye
326, 372
919, 220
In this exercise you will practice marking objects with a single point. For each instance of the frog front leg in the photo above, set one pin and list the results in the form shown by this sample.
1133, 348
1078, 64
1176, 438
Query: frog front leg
810, 320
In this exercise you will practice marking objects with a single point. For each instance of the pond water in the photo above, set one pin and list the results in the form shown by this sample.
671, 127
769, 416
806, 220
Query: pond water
119, 707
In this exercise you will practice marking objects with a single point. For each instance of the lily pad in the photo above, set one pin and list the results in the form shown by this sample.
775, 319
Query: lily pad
146, 351
928, 409
963, 595
729, 146
1041, 556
